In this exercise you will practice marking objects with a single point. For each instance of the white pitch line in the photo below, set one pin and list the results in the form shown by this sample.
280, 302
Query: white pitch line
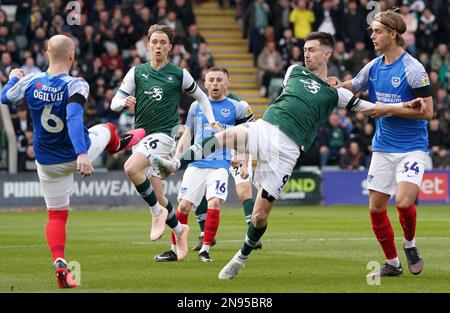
240, 241
312, 239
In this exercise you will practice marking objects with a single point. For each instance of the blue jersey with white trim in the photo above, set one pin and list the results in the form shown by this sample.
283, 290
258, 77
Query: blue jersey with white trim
394, 83
47, 99
227, 112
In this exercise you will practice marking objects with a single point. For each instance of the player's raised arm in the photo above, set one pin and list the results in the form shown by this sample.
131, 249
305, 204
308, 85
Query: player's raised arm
185, 140
357, 84
14, 90
78, 93
124, 97
190, 86
414, 109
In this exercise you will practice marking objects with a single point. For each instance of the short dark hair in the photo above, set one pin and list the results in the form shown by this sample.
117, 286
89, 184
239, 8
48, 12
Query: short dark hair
162, 29
325, 39
219, 69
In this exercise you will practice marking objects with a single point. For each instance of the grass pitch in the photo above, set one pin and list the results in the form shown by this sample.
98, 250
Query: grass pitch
305, 249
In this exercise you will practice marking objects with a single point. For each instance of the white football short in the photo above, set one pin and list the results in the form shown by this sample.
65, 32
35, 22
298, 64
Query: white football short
388, 169
56, 180
276, 153
236, 173
198, 181
155, 144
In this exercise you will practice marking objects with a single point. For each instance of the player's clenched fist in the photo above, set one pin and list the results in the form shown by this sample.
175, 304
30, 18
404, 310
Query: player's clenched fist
84, 165
17, 72
130, 103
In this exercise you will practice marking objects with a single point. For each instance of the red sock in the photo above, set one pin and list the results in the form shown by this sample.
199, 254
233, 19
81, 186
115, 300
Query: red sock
408, 221
211, 226
183, 219
56, 232
385, 234
114, 141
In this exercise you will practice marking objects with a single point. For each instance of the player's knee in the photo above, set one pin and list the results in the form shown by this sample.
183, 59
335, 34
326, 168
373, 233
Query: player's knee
131, 169
243, 192
214, 203
404, 201
184, 206
259, 218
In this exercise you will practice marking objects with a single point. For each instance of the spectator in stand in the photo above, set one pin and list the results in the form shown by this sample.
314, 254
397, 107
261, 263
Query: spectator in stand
302, 18
29, 67
256, 20
112, 59
358, 57
411, 27
353, 25
333, 138
193, 39
295, 57
281, 20
440, 57
172, 21
441, 160
184, 12
286, 43
6, 65
126, 35
427, 32
327, 18
353, 159
436, 137
270, 65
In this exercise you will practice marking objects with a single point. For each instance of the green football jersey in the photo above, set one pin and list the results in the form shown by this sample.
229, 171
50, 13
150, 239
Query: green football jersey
233, 96
158, 94
304, 105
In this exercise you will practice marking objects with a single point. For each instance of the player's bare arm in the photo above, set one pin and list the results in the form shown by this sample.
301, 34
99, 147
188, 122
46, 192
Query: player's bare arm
416, 109
184, 142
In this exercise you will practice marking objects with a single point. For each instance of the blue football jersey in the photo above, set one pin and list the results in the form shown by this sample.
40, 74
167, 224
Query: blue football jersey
47, 98
228, 113
394, 83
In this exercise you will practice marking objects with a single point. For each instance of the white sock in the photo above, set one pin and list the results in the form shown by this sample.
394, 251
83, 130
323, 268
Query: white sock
205, 248
60, 259
202, 234
156, 209
409, 244
394, 262
178, 229
174, 249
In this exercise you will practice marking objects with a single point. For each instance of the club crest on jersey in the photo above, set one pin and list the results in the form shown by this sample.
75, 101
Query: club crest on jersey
155, 93
225, 112
311, 85
395, 81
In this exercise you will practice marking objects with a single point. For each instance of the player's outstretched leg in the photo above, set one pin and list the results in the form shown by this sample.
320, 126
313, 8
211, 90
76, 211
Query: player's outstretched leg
256, 229
234, 138
63, 276
125, 141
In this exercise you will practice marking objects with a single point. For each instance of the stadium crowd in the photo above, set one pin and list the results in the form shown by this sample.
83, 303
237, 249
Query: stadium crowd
112, 37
